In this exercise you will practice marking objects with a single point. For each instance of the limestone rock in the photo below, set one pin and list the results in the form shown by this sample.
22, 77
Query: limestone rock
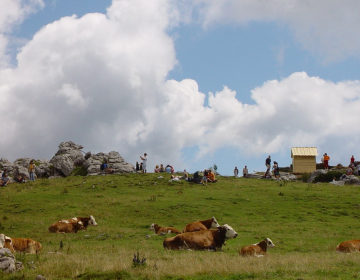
315, 173
5, 164
338, 183
66, 156
350, 179
20, 166
254, 176
115, 162
287, 176
8, 263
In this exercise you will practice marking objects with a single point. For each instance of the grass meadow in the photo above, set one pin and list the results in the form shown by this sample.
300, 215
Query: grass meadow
305, 222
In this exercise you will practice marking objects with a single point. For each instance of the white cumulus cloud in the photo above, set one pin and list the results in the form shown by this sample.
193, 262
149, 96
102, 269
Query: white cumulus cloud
328, 28
101, 81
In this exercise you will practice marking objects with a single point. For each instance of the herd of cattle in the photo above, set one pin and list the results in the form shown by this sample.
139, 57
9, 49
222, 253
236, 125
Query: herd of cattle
200, 235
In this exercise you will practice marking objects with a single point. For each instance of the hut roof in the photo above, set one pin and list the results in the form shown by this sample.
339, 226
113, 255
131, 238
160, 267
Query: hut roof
304, 151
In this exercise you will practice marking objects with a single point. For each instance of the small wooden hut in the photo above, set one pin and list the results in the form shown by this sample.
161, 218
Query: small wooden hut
304, 159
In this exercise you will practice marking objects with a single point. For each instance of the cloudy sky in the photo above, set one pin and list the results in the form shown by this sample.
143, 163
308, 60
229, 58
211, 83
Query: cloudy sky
191, 82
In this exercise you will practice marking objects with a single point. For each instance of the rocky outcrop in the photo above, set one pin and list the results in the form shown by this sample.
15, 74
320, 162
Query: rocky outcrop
338, 183
43, 167
350, 179
314, 174
254, 176
287, 176
20, 166
8, 263
65, 158
115, 162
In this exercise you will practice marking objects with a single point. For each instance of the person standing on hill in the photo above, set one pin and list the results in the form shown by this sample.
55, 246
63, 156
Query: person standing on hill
326, 161
245, 171
31, 170
268, 162
144, 159
236, 172
352, 160
276, 170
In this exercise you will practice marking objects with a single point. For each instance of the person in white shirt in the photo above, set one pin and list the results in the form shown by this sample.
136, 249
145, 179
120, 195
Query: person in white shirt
144, 159
245, 171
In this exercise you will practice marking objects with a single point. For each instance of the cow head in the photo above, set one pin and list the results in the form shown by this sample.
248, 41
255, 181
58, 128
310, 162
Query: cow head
269, 243
3, 239
229, 232
214, 224
92, 221
6, 242
152, 227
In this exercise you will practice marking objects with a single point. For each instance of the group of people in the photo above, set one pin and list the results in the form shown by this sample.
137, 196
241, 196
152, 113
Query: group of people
275, 169
141, 167
245, 172
21, 178
185, 176
161, 168
353, 168
267, 174
203, 177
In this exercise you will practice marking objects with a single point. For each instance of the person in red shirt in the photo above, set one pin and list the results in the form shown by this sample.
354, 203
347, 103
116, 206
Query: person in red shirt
352, 160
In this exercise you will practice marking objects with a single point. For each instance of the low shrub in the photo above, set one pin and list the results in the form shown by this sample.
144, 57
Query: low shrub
305, 177
328, 177
80, 170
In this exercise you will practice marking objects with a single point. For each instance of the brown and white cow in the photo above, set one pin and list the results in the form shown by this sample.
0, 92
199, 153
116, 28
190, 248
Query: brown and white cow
258, 249
24, 245
201, 225
201, 240
163, 230
72, 225
348, 246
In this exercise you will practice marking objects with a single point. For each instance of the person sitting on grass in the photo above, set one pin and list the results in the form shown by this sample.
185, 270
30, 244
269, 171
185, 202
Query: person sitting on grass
5, 180
204, 179
169, 169
349, 171
157, 169
21, 179
211, 177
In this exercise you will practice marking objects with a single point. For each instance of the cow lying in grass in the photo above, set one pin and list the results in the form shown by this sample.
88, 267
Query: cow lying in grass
348, 246
163, 230
258, 249
20, 245
72, 225
201, 240
201, 225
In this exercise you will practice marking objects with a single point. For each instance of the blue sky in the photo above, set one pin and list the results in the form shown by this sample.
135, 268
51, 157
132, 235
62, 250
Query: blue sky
193, 83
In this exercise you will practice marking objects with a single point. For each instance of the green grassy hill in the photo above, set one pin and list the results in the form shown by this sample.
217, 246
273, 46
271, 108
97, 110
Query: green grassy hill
305, 222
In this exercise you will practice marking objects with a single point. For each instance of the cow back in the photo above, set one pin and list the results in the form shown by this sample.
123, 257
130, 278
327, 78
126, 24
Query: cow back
61, 227
198, 240
195, 226
348, 246
26, 245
